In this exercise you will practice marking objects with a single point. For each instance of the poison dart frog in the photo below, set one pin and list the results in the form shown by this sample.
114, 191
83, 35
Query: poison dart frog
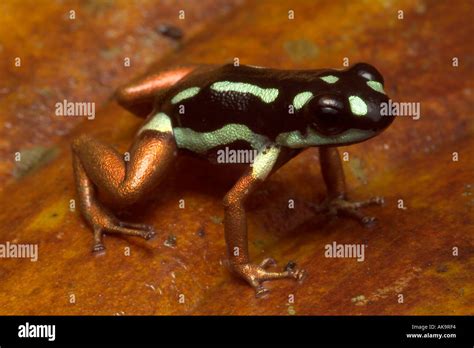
200, 109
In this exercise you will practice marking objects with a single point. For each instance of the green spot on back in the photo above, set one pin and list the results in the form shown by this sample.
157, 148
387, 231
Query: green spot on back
330, 78
185, 94
358, 106
267, 95
376, 86
301, 99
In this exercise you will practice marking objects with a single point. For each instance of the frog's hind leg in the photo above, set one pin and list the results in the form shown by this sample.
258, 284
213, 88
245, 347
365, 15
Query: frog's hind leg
98, 165
139, 96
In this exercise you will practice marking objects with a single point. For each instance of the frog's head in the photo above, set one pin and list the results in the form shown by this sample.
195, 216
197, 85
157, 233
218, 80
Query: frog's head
349, 109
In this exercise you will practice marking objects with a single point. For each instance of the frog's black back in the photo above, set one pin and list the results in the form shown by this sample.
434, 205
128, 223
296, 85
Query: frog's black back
212, 109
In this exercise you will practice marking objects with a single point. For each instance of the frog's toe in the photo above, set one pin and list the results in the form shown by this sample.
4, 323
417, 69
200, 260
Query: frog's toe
255, 275
147, 235
98, 247
355, 214
341, 206
372, 201
351, 210
143, 227
131, 229
294, 272
268, 262
261, 291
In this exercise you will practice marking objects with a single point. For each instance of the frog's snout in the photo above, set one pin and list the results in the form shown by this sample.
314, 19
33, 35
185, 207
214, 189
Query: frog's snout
383, 117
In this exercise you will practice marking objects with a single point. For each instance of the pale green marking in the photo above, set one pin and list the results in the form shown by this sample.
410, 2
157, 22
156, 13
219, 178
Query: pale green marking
264, 162
301, 99
201, 142
160, 123
296, 140
185, 94
358, 106
267, 95
330, 78
376, 86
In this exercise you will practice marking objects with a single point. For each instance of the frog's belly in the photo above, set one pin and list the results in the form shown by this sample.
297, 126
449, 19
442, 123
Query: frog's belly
233, 136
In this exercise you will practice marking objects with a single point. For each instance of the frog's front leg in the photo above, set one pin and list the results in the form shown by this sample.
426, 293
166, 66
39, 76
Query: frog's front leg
98, 165
236, 224
337, 202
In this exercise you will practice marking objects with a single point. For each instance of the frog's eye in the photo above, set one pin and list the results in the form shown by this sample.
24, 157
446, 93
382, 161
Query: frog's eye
328, 115
330, 104
367, 72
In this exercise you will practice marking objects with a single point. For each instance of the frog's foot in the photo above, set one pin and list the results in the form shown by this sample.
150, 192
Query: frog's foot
341, 206
255, 275
103, 221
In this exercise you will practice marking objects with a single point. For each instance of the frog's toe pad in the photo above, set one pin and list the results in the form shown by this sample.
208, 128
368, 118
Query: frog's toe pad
296, 273
147, 235
261, 291
98, 247
268, 262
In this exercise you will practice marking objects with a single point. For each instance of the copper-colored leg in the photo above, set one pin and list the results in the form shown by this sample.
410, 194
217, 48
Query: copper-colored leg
99, 165
337, 203
236, 237
333, 174
140, 95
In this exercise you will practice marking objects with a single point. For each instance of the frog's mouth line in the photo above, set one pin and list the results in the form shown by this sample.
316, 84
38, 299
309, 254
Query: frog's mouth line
295, 139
